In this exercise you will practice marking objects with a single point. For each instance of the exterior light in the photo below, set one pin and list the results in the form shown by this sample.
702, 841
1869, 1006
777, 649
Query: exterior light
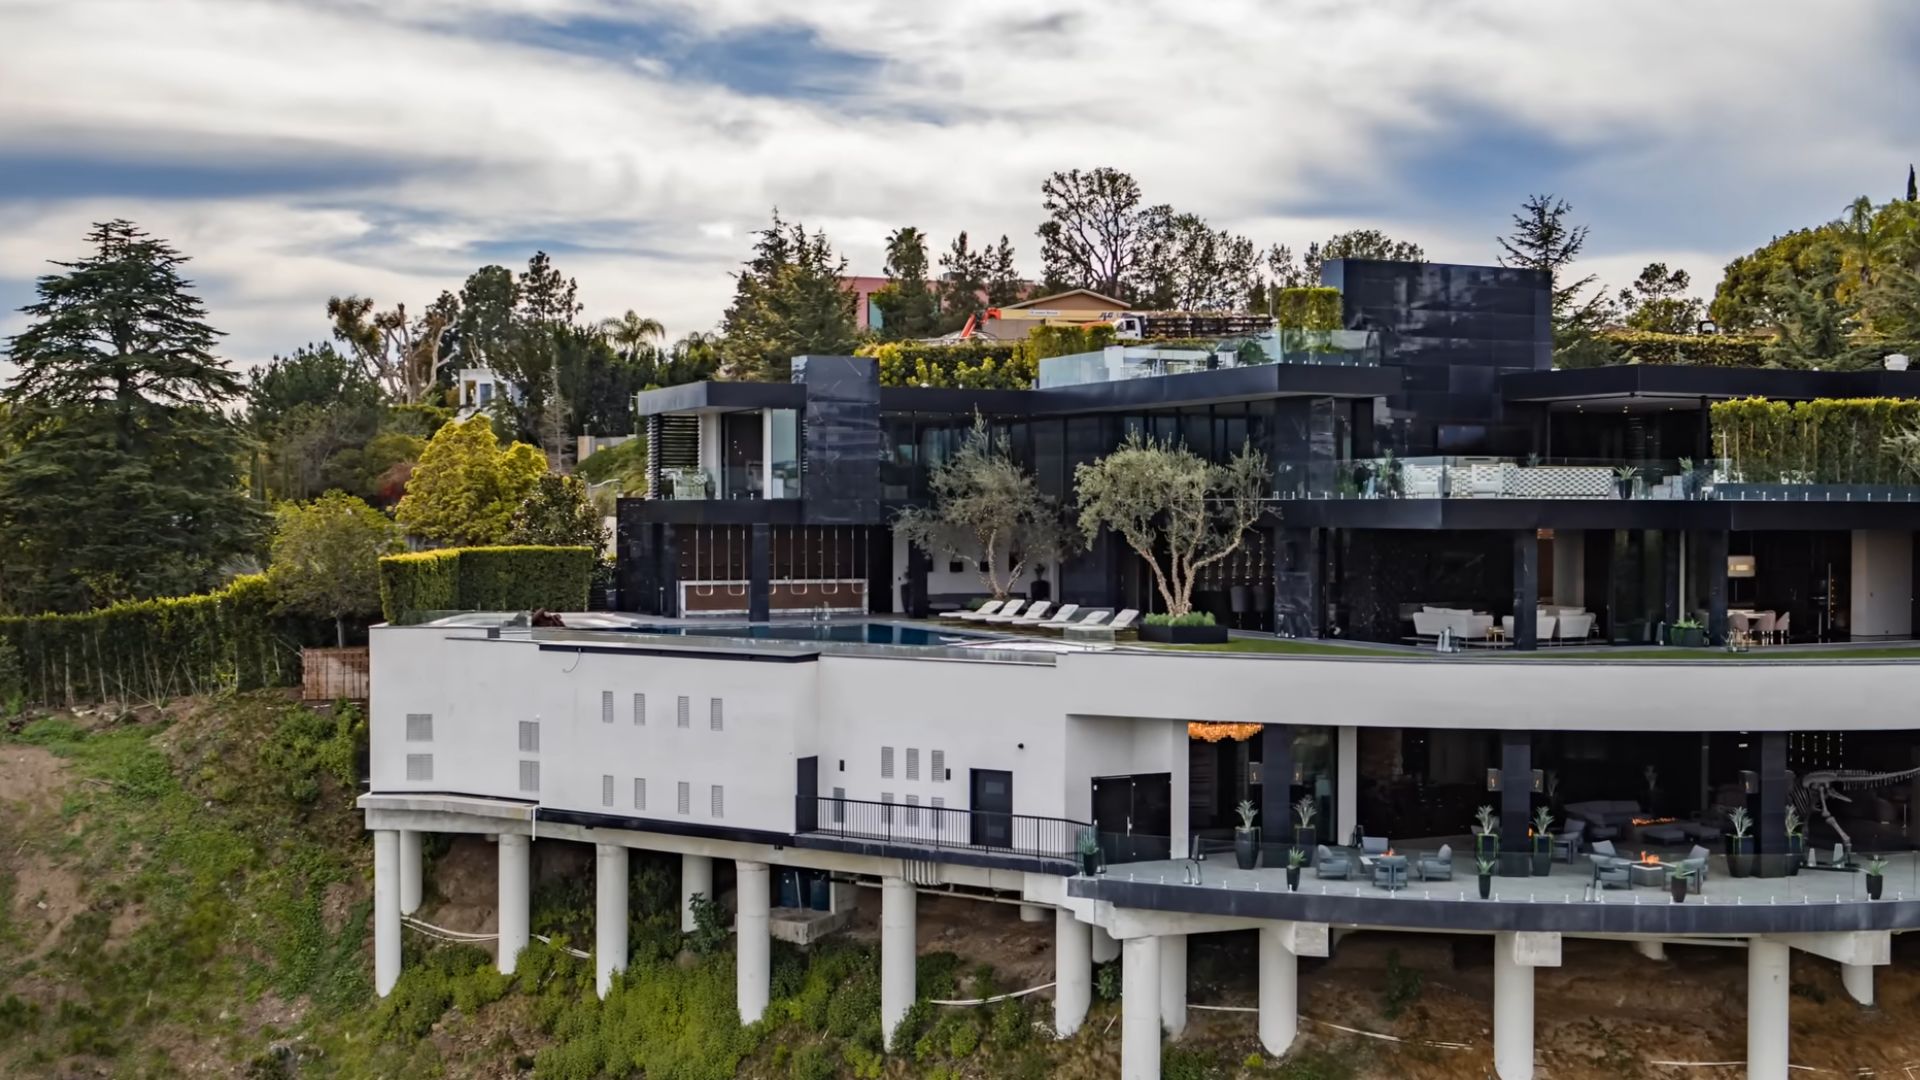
1493, 779
1741, 566
1896, 361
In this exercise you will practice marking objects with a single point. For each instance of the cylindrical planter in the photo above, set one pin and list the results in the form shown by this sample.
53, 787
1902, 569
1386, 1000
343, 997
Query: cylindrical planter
1740, 860
1090, 863
1796, 854
1306, 839
1486, 886
1874, 884
1293, 879
1679, 886
1246, 848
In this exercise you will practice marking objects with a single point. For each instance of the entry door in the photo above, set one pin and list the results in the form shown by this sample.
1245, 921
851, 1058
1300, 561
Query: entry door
1134, 816
992, 802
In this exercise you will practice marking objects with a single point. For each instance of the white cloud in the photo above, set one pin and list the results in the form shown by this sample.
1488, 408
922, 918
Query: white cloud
454, 132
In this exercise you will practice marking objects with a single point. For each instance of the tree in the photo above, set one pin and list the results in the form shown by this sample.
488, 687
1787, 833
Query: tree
326, 557
1913, 188
787, 302
400, 354
963, 283
1095, 233
1657, 302
539, 331
1177, 511
985, 507
1543, 239
1744, 299
314, 375
633, 335
466, 487
1812, 326
485, 327
1003, 282
1193, 267
907, 304
557, 512
124, 479
1364, 244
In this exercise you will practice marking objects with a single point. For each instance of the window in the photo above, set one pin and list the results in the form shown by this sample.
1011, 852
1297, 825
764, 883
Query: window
685, 798
606, 791
839, 806
713, 714
639, 710
939, 765
486, 393
681, 716
419, 727
719, 801
639, 793
886, 763
913, 763
530, 776
419, 767
529, 736
606, 706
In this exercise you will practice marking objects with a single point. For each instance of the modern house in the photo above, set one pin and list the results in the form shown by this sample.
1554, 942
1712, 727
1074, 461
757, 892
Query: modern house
1432, 480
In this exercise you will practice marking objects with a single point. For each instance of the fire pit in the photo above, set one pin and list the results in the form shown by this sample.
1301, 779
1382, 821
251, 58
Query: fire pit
1647, 871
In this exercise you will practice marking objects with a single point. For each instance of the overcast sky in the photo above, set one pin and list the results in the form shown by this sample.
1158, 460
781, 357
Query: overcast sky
301, 148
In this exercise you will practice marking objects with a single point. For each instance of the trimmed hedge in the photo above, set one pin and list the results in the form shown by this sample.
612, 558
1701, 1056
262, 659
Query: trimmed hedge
982, 365
1315, 307
165, 648
1823, 441
1699, 350
522, 578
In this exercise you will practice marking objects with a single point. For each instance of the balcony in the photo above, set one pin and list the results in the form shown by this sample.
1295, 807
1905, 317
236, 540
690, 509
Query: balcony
1570, 478
954, 834
1118, 363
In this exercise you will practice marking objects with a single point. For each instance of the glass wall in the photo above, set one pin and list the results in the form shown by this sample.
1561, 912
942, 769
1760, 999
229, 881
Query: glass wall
783, 453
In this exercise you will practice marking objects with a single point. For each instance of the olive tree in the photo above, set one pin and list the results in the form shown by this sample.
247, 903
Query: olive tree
985, 506
1176, 510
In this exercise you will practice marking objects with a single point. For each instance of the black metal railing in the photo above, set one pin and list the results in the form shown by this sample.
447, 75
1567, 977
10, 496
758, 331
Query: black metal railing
943, 827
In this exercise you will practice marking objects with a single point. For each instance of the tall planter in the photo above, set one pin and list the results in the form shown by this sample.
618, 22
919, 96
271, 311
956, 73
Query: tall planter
1246, 848
1740, 856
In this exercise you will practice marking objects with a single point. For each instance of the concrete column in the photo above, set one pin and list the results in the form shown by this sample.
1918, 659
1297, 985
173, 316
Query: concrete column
1106, 949
898, 952
1279, 990
1173, 984
1858, 979
1767, 966
1512, 1012
1652, 950
1140, 1010
696, 879
753, 946
409, 871
1347, 787
386, 910
1072, 972
1034, 913
515, 900
609, 914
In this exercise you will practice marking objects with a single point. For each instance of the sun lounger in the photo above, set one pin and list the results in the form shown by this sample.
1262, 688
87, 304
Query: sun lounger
1092, 618
1038, 608
983, 615
987, 608
1037, 618
1124, 620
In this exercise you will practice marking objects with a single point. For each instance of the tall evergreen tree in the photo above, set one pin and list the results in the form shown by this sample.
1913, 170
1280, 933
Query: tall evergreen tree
963, 283
906, 302
1543, 239
1002, 279
1913, 189
787, 302
126, 480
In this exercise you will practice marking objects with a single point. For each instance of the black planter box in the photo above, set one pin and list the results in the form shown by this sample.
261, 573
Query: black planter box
1183, 635
1687, 637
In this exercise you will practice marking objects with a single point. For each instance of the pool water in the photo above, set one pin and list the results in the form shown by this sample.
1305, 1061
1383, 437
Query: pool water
857, 632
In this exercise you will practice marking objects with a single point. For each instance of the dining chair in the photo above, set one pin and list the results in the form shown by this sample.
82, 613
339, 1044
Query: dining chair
1736, 625
1762, 625
1780, 628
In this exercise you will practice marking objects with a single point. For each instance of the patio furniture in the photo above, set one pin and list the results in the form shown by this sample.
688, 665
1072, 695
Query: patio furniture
1780, 628
1605, 818
1013, 608
1038, 614
1390, 872
1761, 628
1702, 832
1645, 873
1375, 845
1609, 872
1574, 627
1094, 633
987, 608
1670, 833
1701, 863
1328, 863
1543, 626
1092, 618
1124, 620
1437, 866
1567, 845
1038, 607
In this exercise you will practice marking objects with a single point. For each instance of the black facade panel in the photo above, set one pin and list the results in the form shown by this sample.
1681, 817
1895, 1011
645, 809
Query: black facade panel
842, 441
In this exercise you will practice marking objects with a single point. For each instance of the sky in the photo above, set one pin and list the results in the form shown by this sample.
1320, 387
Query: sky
299, 149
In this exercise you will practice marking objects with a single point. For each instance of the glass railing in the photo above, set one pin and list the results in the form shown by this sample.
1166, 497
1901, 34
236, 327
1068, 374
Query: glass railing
1421, 870
1338, 348
731, 482
1494, 478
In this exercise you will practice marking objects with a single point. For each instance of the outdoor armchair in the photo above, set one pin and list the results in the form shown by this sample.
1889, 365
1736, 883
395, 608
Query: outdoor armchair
1437, 866
1328, 863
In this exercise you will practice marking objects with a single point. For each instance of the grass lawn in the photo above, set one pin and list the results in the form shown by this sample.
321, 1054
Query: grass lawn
1782, 655
1280, 647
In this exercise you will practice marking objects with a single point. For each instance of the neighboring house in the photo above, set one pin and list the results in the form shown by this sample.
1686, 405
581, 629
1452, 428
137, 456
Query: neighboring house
866, 314
477, 388
1433, 481
1075, 307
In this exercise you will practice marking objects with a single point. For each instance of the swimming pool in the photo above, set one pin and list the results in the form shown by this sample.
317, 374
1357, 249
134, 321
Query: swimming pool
865, 632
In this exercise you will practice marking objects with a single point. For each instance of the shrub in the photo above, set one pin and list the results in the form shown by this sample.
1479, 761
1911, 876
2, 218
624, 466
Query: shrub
973, 365
1308, 308
710, 934
1699, 350
811, 1063
963, 1037
165, 648
1191, 618
1186, 1063
1106, 981
1826, 440
1403, 987
521, 578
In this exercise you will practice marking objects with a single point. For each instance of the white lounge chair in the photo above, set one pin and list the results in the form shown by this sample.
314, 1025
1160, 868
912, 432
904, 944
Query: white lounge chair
987, 608
1037, 608
1574, 628
1124, 620
983, 615
1035, 617
1093, 618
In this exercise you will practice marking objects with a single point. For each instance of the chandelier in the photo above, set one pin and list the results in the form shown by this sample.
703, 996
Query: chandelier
1210, 732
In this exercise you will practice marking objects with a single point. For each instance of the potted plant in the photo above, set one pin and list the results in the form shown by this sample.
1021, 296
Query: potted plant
1624, 478
1876, 876
1485, 867
1303, 812
1679, 879
1542, 842
1296, 858
1687, 634
1090, 860
1246, 838
1739, 845
1688, 478
1192, 628
1486, 842
1796, 842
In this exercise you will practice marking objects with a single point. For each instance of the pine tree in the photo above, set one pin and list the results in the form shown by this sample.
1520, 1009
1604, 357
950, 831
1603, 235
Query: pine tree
788, 302
963, 281
1543, 239
1002, 280
906, 302
1913, 190
126, 480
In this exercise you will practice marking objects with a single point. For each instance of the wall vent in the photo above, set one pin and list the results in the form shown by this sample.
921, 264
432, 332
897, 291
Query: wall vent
886, 763
681, 713
938, 763
685, 798
530, 776
606, 790
719, 801
639, 793
529, 736
639, 710
913, 763
714, 719
419, 767
419, 727
839, 806
913, 810
606, 706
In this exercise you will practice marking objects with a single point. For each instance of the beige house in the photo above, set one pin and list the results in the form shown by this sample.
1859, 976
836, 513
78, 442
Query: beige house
1075, 307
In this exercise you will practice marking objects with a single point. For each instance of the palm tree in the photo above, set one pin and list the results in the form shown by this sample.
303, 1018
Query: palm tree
632, 332
1869, 240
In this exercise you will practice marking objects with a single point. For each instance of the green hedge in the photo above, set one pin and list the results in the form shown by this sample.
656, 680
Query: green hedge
1823, 441
1699, 350
153, 650
1308, 308
972, 365
522, 578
